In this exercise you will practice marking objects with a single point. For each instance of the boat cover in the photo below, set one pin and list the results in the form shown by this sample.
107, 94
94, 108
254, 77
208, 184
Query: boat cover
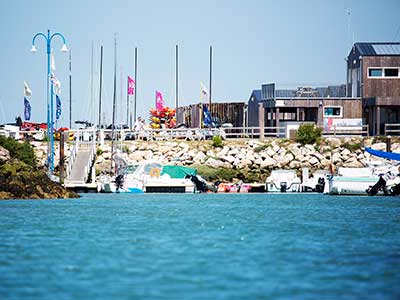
178, 171
383, 154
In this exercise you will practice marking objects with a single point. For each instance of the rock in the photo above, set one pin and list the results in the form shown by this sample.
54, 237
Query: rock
334, 142
294, 164
313, 161
270, 152
4, 154
228, 158
336, 158
268, 161
345, 152
379, 146
213, 163
199, 158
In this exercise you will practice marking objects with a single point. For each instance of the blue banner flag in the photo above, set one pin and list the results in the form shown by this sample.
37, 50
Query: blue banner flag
207, 120
58, 107
27, 109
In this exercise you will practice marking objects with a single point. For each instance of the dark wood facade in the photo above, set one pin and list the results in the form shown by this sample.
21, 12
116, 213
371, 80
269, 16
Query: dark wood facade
380, 94
231, 112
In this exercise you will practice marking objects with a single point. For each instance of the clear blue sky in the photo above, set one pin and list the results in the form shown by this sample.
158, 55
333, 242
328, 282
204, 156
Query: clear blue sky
254, 42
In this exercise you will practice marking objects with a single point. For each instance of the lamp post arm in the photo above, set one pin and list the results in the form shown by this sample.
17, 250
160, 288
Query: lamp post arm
39, 34
58, 34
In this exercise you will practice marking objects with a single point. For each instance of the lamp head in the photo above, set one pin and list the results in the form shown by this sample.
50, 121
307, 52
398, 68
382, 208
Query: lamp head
33, 49
64, 48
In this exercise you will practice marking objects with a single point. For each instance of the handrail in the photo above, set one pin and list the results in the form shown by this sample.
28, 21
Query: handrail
350, 130
91, 155
392, 131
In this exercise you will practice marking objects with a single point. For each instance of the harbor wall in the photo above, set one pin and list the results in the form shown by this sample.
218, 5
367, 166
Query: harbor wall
255, 157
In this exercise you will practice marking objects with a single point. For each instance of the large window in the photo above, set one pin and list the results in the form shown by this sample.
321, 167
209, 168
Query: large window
383, 73
391, 72
375, 72
332, 111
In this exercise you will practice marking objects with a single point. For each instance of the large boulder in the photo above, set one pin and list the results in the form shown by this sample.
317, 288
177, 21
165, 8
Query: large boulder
4, 154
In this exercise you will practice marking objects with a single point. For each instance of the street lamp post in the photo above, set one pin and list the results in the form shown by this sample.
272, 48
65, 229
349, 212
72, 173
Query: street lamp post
50, 102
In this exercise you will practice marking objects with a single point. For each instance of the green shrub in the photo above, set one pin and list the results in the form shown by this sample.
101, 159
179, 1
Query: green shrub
125, 149
352, 147
308, 134
99, 152
22, 151
261, 148
217, 141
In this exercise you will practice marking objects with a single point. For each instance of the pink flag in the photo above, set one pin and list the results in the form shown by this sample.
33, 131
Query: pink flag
159, 101
131, 86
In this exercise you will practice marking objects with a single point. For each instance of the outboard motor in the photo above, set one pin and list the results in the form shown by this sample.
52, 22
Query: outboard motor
319, 188
380, 185
119, 181
200, 185
283, 187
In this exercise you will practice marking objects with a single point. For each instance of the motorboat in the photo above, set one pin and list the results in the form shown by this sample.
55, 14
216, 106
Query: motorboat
315, 183
357, 181
283, 181
152, 177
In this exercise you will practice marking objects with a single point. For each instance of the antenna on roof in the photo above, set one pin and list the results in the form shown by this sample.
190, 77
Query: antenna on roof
348, 26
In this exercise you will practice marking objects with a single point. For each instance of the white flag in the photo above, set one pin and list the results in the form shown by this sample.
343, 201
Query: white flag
56, 83
52, 63
27, 90
204, 91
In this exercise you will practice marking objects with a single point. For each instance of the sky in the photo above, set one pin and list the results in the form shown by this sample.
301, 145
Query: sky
291, 43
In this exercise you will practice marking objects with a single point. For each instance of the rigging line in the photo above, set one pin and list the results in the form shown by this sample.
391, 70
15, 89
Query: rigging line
397, 33
2, 111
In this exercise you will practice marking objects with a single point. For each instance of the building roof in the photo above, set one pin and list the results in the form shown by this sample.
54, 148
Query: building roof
257, 95
376, 49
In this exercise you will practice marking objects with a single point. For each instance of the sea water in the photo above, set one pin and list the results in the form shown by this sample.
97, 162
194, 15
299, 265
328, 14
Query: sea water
201, 246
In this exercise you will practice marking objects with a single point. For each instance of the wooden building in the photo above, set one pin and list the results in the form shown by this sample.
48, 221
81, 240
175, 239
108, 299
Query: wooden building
326, 107
230, 112
373, 73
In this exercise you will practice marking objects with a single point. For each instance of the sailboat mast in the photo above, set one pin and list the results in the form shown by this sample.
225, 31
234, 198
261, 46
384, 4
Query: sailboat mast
134, 112
210, 77
127, 102
114, 101
70, 91
176, 78
101, 83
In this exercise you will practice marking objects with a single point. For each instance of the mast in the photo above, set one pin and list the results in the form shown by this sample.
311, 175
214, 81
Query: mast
101, 82
209, 100
127, 102
70, 91
91, 81
176, 78
114, 100
134, 112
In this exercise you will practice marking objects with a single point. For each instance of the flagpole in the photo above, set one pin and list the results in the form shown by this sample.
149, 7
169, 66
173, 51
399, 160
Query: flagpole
209, 101
70, 91
101, 83
176, 78
127, 101
134, 112
114, 100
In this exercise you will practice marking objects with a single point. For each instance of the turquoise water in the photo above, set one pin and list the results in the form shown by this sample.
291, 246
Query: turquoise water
262, 246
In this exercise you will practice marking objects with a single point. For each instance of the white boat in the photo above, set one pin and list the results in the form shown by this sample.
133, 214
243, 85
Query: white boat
151, 177
317, 182
283, 181
356, 181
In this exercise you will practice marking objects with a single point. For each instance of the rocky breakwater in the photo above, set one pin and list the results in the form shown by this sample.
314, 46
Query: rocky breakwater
250, 160
21, 179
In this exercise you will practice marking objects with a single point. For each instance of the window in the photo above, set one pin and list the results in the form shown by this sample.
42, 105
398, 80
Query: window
383, 72
375, 72
391, 72
332, 111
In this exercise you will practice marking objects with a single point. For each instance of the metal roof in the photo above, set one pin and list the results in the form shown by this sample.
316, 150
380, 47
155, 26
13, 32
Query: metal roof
375, 49
393, 49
